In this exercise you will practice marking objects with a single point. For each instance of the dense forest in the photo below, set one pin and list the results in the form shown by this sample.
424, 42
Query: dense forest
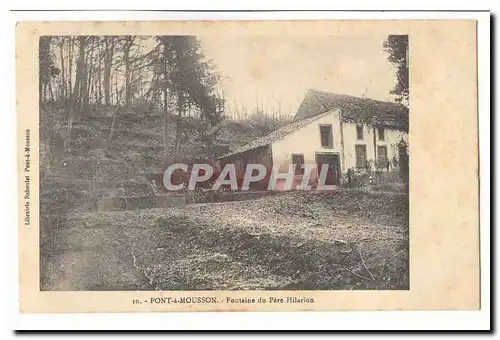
84, 76
115, 110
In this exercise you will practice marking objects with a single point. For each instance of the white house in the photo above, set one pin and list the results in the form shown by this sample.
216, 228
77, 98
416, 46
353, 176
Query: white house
352, 135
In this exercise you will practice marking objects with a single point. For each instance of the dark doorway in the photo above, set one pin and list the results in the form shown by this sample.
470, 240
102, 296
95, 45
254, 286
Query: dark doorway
333, 161
403, 162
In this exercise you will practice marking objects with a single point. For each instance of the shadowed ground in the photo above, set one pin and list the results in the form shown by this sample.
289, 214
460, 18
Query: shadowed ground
345, 240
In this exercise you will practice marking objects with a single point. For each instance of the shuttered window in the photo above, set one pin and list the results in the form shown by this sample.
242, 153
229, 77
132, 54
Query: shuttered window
361, 156
325, 132
359, 132
381, 134
382, 155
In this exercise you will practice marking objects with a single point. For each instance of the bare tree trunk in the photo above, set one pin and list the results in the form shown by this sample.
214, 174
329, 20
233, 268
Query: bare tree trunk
84, 92
165, 102
92, 88
51, 93
108, 61
70, 70
81, 77
71, 96
165, 123
116, 96
126, 58
90, 70
99, 76
180, 105
45, 65
63, 76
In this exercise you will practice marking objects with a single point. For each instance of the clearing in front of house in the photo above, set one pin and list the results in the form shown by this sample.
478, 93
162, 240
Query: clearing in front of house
296, 240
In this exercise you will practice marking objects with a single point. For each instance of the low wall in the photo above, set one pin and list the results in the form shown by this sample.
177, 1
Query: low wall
177, 200
139, 202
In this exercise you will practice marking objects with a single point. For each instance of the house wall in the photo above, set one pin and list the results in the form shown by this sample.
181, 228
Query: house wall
392, 138
351, 140
307, 141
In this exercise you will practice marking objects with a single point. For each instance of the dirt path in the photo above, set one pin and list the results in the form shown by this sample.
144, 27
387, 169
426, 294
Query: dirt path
88, 256
270, 243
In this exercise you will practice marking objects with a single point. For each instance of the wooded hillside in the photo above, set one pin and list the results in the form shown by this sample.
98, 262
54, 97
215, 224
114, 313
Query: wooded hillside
115, 109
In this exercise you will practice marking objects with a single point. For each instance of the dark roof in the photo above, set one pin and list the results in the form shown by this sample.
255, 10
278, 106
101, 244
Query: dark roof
316, 104
354, 109
275, 135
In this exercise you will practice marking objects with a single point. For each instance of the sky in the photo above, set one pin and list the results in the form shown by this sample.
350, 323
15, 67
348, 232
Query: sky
277, 71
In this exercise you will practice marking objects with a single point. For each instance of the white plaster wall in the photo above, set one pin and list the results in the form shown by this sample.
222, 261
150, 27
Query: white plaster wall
307, 141
392, 139
351, 140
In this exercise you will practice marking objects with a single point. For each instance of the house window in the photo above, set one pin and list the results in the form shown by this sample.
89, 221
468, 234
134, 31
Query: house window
382, 155
361, 156
381, 134
298, 161
359, 132
325, 132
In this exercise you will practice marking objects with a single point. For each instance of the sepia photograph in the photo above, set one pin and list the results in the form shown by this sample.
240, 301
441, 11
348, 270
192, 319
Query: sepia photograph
206, 165
235, 163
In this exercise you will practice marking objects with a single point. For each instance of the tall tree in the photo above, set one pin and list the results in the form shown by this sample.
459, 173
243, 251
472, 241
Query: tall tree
164, 45
81, 74
47, 70
99, 75
180, 76
70, 89
127, 45
87, 80
397, 48
63, 73
109, 47
194, 81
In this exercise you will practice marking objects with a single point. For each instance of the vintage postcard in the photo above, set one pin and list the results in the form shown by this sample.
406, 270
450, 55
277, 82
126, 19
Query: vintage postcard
247, 166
